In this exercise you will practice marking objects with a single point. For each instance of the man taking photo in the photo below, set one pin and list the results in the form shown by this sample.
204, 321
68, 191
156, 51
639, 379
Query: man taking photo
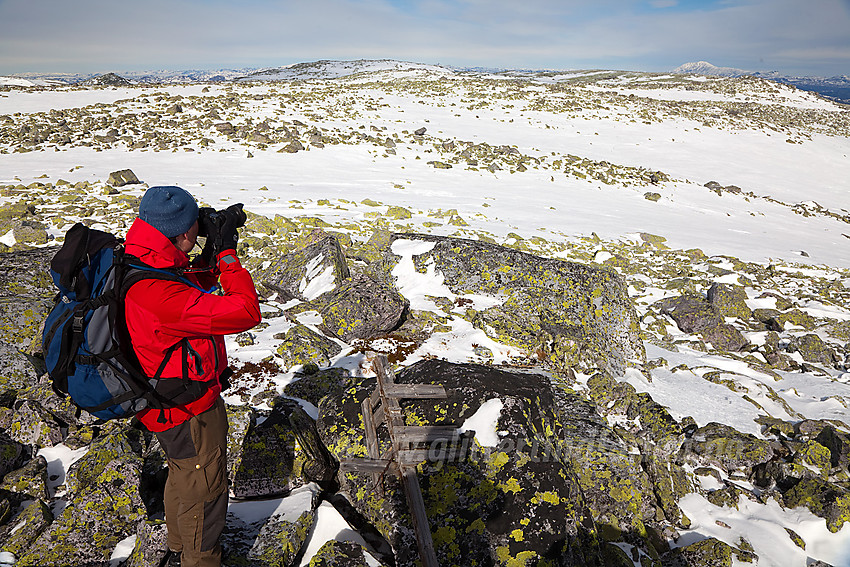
177, 330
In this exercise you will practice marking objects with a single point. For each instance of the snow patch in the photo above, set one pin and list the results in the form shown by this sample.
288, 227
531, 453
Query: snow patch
484, 422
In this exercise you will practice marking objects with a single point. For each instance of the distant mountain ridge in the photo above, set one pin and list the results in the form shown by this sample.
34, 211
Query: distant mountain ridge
335, 69
837, 88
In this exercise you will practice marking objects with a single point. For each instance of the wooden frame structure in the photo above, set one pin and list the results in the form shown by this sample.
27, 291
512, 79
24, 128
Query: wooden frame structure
405, 449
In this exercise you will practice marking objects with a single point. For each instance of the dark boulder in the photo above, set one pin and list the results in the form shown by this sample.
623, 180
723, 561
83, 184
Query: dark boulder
12, 454
691, 313
307, 273
122, 178
361, 308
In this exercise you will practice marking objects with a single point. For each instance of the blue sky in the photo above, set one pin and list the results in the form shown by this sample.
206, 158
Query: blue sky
805, 37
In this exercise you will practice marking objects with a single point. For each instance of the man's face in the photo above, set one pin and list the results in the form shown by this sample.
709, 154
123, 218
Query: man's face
186, 241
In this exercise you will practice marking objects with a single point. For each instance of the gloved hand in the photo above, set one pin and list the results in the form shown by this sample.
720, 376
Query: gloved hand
233, 217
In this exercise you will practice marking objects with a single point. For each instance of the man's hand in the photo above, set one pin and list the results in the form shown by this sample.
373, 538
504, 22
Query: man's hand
233, 218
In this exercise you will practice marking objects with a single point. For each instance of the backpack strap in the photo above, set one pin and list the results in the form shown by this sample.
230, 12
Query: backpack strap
166, 392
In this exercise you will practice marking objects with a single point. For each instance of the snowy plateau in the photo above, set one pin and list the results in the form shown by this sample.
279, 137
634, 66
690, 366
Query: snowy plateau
676, 182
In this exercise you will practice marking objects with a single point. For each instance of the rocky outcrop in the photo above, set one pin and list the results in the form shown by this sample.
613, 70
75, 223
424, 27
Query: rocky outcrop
361, 308
558, 484
567, 313
123, 177
693, 314
26, 293
307, 273
265, 463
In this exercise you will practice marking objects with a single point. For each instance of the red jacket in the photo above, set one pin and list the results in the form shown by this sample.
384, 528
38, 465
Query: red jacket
160, 313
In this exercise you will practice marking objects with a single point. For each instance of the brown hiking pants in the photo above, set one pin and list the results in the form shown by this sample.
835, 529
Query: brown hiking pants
196, 490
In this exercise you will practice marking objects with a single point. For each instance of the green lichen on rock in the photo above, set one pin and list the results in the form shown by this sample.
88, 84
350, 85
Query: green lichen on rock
113, 445
267, 462
301, 345
729, 300
94, 520
812, 348
29, 481
291, 274
398, 213
709, 552
794, 317
795, 537
22, 530
721, 445
316, 385
280, 540
339, 554
569, 313
359, 308
558, 469
825, 499
816, 455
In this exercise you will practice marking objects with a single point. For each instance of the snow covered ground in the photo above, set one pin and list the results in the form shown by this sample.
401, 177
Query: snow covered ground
787, 153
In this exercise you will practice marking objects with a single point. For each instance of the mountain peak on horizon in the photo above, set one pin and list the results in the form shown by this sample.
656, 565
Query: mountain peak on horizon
706, 68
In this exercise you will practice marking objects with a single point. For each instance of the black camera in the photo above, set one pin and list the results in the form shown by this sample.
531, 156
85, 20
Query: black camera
208, 216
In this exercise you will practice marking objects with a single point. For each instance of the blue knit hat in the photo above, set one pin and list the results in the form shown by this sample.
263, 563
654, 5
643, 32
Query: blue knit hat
170, 210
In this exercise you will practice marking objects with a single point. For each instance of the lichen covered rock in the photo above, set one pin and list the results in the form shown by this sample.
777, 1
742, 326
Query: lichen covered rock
151, 544
29, 481
569, 313
26, 293
281, 538
266, 463
557, 482
313, 386
361, 308
812, 348
301, 345
21, 531
339, 554
709, 552
96, 518
308, 272
825, 499
729, 300
723, 446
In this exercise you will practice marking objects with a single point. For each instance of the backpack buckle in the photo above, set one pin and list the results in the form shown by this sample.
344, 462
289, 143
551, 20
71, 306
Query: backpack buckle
77, 325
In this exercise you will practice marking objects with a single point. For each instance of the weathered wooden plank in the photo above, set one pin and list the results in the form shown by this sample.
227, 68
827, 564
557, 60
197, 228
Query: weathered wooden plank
369, 429
372, 466
375, 397
420, 518
372, 448
412, 456
424, 433
423, 391
378, 415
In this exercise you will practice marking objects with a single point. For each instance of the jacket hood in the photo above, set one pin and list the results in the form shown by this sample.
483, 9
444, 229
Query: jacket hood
150, 246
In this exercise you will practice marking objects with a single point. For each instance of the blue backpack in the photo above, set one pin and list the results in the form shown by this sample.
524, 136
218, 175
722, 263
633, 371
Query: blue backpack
85, 340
